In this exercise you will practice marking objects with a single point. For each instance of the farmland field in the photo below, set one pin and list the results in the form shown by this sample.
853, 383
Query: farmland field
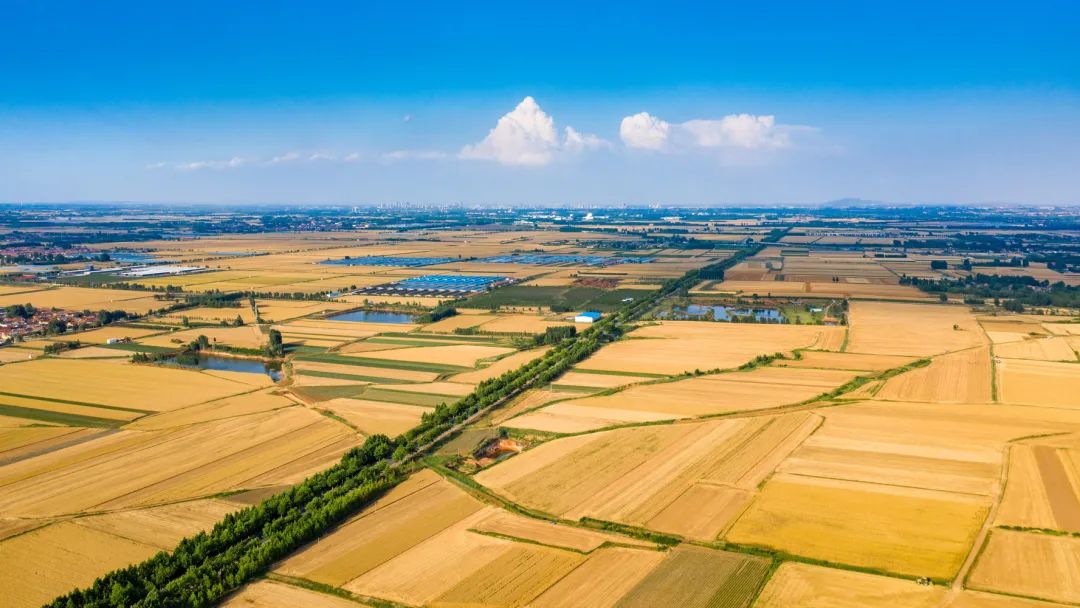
912, 450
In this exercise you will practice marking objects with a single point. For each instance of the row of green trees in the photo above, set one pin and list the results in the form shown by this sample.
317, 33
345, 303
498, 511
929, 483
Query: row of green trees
204, 568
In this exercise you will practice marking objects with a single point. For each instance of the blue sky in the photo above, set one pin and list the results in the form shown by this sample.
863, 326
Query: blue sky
686, 103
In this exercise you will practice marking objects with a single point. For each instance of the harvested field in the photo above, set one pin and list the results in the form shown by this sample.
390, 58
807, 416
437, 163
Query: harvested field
102, 382
501, 366
898, 530
17, 442
1040, 349
1036, 383
591, 380
10, 354
521, 324
248, 336
229, 407
519, 575
362, 373
65, 413
702, 512
927, 446
204, 314
543, 532
976, 599
162, 527
409, 514
42, 564
465, 355
885, 328
95, 352
272, 594
960, 377
442, 389
1062, 329
796, 585
694, 577
847, 361
819, 289
1031, 565
605, 577
760, 388
568, 417
528, 400
674, 347
649, 475
104, 334
131, 469
446, 559
83, 298
1043, 489
373, 417
459, 321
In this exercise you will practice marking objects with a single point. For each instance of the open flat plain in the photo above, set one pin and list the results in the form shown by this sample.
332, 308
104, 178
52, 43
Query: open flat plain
893, 450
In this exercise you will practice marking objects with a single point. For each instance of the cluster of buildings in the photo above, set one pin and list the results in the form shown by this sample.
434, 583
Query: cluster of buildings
41, 321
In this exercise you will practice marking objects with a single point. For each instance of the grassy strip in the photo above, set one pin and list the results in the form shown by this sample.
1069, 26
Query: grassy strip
1047, 531
141, 348
607, 372
570, 388
442, 337
406, 397
83, 403
405, 342
631, 531
332, 416
325, 589
326, 393
384, 363
58, 417
763, 551
356, 377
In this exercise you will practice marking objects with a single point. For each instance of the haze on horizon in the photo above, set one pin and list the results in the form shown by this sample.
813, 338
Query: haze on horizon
563, 103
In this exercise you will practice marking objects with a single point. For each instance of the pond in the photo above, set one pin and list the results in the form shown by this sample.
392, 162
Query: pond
727, 313
374, 316
230, 364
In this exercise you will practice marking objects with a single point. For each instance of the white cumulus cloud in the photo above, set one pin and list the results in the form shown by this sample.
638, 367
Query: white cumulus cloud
733, 132
645, 131
575, 141
232, 163
739, 131
415, 155
526, 136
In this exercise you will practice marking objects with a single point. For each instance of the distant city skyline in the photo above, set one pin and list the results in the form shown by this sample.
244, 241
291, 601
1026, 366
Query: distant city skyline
342, 103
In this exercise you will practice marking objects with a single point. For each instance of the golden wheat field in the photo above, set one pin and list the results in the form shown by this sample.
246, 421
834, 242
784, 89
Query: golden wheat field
83, 298
917, 454
886, 328
137, 387
796, 585
674, 347
686, 479
1045, 383
761, 388
897, 530
272, 594
960, 377
248, 336
1043, 488
1034, 565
